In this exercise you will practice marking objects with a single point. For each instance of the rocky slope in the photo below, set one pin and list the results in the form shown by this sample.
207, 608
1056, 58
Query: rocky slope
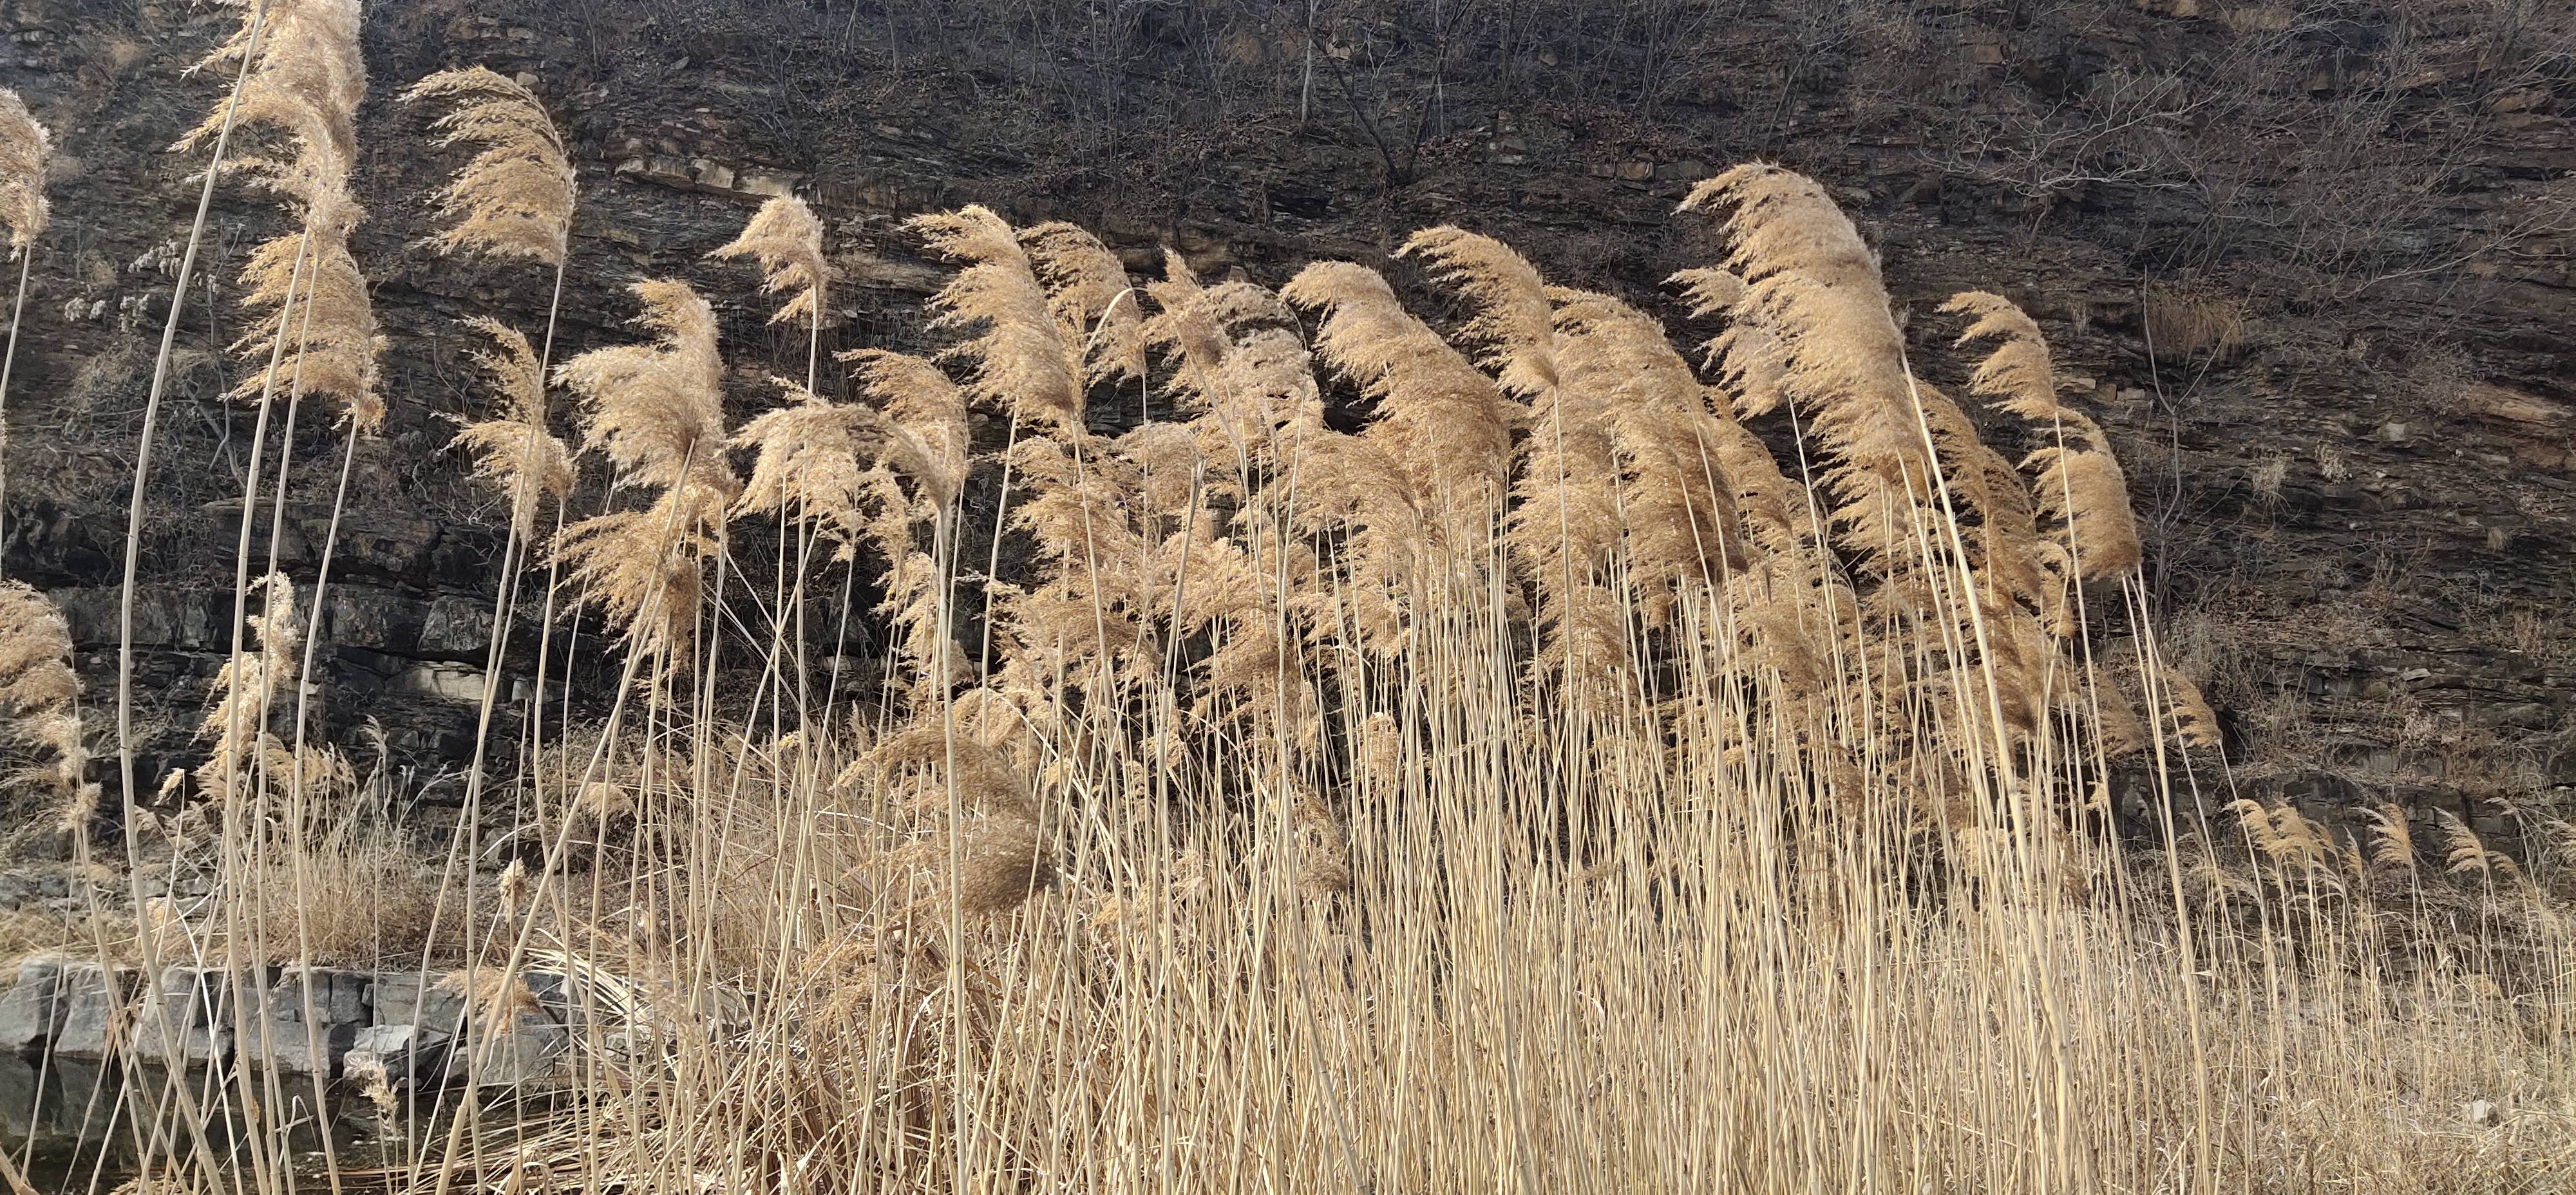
2311, 260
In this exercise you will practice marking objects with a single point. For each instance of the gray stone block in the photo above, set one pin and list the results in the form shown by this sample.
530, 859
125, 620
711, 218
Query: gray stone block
54, 1104
561, 998
96, 1018
531, 1050
405, 1056
280, 1037
197, 1003
415, 998
527, 1045
32, 1012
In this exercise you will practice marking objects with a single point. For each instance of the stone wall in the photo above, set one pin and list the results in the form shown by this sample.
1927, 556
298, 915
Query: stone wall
404, 1029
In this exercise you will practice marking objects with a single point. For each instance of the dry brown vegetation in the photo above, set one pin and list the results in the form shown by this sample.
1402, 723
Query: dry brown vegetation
1549, 785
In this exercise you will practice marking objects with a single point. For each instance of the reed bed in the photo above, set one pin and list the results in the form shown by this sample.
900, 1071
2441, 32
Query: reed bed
1553, 784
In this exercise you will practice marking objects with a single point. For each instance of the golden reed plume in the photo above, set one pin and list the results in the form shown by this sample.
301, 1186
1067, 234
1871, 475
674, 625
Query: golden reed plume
517, 452
26, 155
40, 697
317, 329
787, 240
515, 197
1024, 362
656, 411
2078, 482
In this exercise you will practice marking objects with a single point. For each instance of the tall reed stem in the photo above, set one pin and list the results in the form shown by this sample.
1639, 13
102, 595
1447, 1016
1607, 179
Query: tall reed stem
9, 359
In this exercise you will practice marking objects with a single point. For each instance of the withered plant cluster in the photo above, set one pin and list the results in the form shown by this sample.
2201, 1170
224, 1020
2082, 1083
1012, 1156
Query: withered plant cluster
26, 157
1503, 750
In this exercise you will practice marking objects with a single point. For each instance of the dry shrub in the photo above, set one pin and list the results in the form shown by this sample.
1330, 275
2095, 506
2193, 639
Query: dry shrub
2186, 320
366, 903
25, 933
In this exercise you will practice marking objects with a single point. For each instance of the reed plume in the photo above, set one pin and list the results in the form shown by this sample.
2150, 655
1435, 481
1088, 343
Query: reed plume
318, 327
250, 680
1422, 488
1689, 477
1513, 315
2078, 482
245, 688
1089, 292
36, 678
656, 411
923, 421
1000, 863
1089, 614
304, 76
2194, 723
1810, 320
787, 240
518, 453
304, 80
2464, 853
1441, 418
810, 463
2393, 835
26, 156
1566, 518
1005, 862
40, 696
987, 781
645, 571
844, 468
1243, 360
1987, 501
515, 197
1024, 362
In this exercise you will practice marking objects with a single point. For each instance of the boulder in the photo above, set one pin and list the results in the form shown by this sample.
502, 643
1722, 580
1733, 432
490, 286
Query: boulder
403, 1057
562, 999
413, 998
55, 1104
32, 1013
759, 180
283, 1039
195, 1024
448, 682
94, 1014
530, 1049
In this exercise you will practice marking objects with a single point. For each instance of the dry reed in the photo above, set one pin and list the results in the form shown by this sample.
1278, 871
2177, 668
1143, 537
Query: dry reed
515, 197
1536, 788
26, 159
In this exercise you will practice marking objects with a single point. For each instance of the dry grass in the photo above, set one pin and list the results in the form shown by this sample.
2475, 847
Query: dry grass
364, 904
1536, 789
2190, 321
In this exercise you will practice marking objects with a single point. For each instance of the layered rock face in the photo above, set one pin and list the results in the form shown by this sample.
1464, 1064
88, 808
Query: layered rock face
2312, 266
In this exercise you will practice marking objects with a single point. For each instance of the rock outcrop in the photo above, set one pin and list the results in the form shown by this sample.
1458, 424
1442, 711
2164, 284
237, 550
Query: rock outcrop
402, 1025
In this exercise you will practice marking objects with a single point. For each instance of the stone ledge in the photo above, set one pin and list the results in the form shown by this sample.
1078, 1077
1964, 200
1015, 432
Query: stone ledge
709, 176
397, 1028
